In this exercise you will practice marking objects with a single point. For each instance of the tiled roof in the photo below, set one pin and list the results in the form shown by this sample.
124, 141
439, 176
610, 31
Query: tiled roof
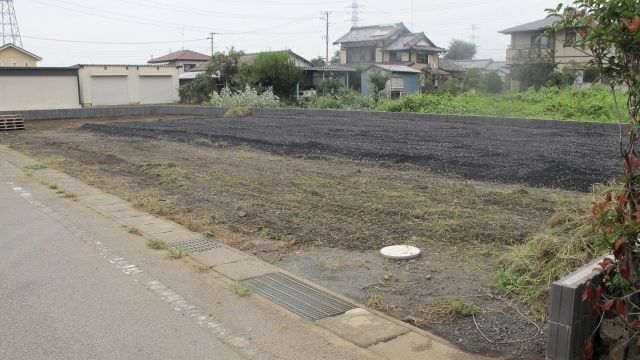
396, 68
412, 41
181, 55
481, 64
371, 33
538, 25
448, 65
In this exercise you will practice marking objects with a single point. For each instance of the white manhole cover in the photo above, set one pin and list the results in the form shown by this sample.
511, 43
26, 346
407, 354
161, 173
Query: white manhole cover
400, 252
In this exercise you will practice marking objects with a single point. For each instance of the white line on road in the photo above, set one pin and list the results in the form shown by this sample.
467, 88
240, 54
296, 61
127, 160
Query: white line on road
166, 294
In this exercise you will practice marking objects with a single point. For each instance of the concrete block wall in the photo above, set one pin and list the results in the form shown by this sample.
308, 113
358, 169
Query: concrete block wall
151, 110
569, 322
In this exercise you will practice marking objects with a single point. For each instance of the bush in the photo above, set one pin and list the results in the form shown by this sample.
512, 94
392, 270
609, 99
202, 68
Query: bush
345, 100
330, 87
249, 98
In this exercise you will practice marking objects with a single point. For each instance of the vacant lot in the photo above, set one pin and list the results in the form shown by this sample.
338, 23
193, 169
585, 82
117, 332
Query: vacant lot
306, 205
567, 159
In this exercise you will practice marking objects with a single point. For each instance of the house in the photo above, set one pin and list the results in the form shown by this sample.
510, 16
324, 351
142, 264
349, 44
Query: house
102, 85
531, 36
485, 66
385, 45
14, 56
297, 59
38, 88
403, 79
449, 70
185, 59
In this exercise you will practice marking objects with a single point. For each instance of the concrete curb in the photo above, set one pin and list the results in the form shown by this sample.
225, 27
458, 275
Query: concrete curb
152, 110
368, 329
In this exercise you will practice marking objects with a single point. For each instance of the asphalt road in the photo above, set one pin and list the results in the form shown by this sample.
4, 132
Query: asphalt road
541, 157
76, 285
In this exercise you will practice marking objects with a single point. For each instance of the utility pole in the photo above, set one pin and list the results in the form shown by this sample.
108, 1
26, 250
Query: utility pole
326, 17
211, 38
355, 13
474, 36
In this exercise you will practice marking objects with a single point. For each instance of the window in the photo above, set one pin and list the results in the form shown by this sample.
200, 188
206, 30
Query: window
397, 82
26, 64
14, 64
422, 58
395, 56
572, 38
361, 55
540, 42
188, 67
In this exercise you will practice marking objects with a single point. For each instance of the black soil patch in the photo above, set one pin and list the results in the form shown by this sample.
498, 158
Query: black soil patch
503, 153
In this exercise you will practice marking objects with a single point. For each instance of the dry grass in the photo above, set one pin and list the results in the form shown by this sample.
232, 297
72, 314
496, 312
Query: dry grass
237, 112
449, 310
293, 200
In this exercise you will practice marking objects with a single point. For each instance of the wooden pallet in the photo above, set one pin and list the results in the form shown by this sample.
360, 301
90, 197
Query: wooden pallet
11, 122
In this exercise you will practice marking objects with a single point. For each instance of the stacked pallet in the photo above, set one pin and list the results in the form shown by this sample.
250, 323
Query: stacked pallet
11, 122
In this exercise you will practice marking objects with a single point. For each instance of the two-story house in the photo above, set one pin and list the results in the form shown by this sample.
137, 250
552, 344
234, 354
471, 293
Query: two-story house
532, 35
393, 48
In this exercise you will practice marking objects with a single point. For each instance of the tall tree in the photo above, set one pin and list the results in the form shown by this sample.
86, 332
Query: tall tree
533, 68
224, 68
461, 50
276, 70
335, 59
318, 61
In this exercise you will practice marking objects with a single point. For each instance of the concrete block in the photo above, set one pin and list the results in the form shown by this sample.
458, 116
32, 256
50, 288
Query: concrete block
552, 340
556, 302
362, 327
245, 269
177, 236
158, 228
416, 346
218, 256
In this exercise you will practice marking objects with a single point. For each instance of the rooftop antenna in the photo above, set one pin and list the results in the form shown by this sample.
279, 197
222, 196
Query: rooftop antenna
412, 25
355, 13
9, 31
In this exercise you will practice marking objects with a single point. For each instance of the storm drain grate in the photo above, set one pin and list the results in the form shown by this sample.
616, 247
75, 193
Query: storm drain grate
195, 245
297, 297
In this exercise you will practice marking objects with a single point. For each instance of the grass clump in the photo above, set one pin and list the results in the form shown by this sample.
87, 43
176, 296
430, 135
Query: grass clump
134, 231
157, 244
237, 112
35, 167
565, 244
176, 254
203, 142
53, 186
240, 290
450, 309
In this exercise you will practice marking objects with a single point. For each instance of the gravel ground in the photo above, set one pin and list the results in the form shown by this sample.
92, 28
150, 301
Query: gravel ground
545, 157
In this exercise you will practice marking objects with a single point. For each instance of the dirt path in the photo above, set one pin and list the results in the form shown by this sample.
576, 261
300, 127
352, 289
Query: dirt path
324, 217
546, 157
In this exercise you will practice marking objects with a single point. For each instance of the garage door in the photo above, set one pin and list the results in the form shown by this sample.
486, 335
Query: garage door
157, 90
109, 90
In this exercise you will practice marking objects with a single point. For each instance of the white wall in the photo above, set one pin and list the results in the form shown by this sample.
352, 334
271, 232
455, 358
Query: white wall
38, 92
98, 78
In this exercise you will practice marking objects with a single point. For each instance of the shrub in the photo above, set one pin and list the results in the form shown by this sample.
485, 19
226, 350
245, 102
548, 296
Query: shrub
330, 87
249, 98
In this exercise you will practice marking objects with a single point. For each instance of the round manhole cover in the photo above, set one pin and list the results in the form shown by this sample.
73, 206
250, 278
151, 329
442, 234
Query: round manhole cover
400, 252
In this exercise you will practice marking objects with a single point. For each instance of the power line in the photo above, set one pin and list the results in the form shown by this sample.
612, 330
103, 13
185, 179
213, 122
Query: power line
111, 42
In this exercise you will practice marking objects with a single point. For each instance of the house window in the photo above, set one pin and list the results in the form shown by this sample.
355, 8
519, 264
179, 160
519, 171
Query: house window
572, 38
26, 64
422, 58
540, 42
361, 55
397, 82
188, 67
395, 56
14, 64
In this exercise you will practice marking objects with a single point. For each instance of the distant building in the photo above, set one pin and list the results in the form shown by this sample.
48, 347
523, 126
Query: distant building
114, 84
14, 56
391, 48
186, 59
403, 79
531, 36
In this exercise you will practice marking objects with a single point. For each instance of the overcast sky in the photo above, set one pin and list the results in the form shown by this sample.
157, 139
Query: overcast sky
161, 26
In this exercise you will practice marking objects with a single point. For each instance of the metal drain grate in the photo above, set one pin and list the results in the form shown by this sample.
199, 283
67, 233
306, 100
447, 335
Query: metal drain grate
297, 297
195, 245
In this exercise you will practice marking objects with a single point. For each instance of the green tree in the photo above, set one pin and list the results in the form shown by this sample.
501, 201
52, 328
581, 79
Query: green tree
591, 74
473, 79
609, 31
492, 82
533, 68
461, 50
318, 61
276, 70
378, 80
335, 59
223, 69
